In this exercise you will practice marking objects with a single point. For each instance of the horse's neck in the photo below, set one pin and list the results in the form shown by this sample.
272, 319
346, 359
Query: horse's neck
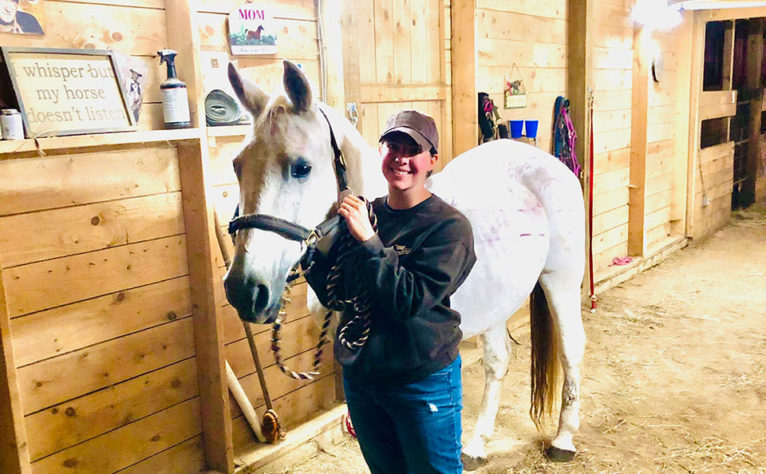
362, 160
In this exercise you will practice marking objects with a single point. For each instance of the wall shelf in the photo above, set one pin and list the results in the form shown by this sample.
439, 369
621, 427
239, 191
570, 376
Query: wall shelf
229, 130
10, 147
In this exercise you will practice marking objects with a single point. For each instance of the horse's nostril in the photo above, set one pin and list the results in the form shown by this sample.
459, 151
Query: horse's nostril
260, 298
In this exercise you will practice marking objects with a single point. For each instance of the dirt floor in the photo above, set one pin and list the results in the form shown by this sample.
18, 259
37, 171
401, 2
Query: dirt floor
673, 377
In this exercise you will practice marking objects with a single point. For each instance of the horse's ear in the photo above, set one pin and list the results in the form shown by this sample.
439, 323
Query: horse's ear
251, 97
297, 87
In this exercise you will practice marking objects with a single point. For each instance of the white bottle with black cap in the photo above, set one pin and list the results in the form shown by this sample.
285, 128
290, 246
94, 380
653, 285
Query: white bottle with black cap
175, 99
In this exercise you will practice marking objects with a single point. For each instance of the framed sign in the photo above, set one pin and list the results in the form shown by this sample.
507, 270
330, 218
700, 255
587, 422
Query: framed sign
67, 91
252, 30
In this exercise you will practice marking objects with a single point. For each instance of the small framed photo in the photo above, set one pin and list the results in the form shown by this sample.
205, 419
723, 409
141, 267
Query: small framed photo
67, 91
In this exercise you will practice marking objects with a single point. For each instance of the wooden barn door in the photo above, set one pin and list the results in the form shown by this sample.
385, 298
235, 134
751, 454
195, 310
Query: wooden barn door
394, 59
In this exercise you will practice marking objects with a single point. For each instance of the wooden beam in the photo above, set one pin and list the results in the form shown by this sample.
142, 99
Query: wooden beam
755, 92
638, 144
717, 104
206, 291
681, 171
729, 37
580, 72
697, 65
407, 93
731, 13
580, 94
14, 449
465, 120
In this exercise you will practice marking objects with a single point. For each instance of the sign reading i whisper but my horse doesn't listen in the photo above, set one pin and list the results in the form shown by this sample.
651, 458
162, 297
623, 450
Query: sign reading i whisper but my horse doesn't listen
67, 92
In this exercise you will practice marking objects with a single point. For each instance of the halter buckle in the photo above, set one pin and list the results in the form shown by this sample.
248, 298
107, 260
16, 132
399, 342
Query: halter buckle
312, 238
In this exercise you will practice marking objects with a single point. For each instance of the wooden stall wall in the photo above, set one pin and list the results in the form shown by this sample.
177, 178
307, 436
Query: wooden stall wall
533, 37
612, 77
394, 59
294, 400
663, 210
94, 268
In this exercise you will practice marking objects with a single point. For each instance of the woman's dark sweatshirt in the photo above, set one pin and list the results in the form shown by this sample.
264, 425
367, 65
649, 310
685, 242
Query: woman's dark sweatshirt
411, 267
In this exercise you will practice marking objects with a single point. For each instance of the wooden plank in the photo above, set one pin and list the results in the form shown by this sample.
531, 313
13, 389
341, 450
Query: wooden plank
332, 36
14, 448
155, 4
384, 34
182, 458
753, 72
610, 219
638, 142
141, 30
293, 408
523, 53
407, 93
611, 161
29, 148
300, 335
92, 415
281, 385
146, 437
80, 229
296, 41
716, 104
402, 42
282, 9
57, 181
53, 381
610, 238
713, 152
724, 14
542, 8
463, 66
658, 200
509, 25
420, 30
67, 328
610, 200
38, 286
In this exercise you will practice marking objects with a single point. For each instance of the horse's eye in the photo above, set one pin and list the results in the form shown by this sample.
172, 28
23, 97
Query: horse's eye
300, 169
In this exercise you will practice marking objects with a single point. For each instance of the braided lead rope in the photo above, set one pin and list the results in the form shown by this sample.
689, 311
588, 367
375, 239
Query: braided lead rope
275, 337
359, 304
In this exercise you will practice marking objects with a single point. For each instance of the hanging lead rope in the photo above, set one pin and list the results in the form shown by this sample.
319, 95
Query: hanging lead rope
355, 299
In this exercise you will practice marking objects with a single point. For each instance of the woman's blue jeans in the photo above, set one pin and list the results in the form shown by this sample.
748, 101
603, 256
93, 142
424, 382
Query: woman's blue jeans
413, 428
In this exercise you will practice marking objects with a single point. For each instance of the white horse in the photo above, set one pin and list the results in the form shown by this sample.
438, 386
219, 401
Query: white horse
527, 213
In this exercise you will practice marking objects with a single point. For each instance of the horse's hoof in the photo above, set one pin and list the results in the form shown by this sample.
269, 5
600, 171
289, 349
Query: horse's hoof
559, 455
471, 463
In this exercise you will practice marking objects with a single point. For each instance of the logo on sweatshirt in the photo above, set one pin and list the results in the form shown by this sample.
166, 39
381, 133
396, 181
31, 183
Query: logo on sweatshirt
401, 249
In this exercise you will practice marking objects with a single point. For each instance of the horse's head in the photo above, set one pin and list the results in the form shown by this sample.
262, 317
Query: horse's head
285, 170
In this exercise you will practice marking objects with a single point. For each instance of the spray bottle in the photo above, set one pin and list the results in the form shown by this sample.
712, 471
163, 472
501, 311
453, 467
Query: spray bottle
175, 99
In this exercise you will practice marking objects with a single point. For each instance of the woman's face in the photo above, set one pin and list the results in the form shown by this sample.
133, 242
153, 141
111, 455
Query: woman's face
8, 11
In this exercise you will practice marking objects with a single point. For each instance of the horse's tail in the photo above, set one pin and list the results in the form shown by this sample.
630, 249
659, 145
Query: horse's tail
544, 370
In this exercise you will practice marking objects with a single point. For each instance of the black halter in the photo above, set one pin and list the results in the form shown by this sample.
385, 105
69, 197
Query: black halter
290, 230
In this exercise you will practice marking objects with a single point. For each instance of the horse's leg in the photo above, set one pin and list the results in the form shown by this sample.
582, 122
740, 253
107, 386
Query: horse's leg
497, 355
563, 295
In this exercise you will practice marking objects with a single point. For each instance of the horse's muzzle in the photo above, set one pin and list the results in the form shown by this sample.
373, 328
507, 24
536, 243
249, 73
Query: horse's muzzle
252, 299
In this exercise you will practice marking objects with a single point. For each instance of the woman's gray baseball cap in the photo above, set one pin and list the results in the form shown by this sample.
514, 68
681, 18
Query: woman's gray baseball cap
421, 128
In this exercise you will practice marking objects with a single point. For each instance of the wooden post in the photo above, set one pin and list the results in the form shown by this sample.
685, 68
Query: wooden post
681, 150
755, 94
638, 136
14, 450
580, 74
697, 65
351, 24
465, 121
579, 91
206, 290
728, 69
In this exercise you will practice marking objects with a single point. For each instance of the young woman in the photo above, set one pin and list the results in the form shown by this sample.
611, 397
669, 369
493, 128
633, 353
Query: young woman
403, 387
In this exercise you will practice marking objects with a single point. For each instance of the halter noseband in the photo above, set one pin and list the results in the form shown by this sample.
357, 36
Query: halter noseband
291, 230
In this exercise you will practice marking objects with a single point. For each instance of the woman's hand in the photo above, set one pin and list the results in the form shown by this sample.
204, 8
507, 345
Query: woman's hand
354, 210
